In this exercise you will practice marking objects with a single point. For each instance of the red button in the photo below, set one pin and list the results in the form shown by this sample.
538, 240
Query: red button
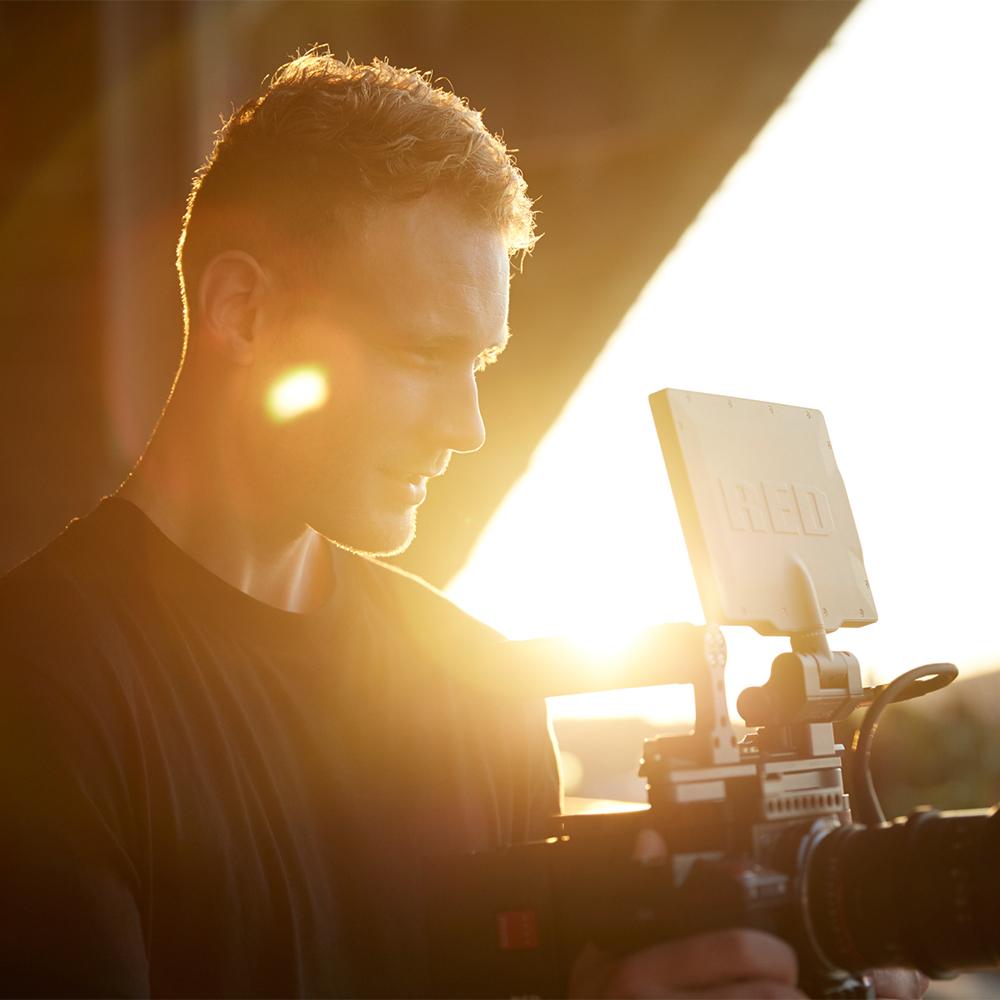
517, 929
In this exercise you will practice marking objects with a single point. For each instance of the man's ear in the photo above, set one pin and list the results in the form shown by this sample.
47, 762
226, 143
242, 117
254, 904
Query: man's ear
230, 296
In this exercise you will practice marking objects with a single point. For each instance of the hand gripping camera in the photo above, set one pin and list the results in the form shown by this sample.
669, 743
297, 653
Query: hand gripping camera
762, 833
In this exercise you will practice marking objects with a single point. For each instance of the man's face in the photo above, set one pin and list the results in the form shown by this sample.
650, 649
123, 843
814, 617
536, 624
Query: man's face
412, 312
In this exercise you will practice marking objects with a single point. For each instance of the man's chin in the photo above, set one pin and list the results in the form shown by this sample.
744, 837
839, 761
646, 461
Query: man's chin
382, 551
373, 539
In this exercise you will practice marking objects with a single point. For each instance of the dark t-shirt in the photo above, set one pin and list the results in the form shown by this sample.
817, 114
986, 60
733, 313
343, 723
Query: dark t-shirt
203, 795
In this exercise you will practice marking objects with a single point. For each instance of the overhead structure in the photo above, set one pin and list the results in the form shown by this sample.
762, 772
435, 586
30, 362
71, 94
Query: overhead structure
627, 116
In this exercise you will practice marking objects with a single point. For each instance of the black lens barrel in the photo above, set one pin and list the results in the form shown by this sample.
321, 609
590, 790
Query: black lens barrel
922, 891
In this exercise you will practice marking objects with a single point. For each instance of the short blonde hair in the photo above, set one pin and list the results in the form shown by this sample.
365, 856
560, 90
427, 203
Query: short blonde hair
325, 136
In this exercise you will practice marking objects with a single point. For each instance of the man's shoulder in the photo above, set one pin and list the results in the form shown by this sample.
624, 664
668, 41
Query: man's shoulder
418, 604
52, 600
430, 626
48, 578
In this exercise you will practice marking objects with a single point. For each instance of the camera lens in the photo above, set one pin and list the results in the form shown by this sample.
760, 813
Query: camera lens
922, 891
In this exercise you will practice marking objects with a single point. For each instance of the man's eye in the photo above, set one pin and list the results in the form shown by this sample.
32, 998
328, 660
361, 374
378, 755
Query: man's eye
437, 357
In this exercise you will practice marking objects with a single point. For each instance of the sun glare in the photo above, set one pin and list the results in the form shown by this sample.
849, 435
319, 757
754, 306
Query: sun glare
848, 263
603, 642
297, 392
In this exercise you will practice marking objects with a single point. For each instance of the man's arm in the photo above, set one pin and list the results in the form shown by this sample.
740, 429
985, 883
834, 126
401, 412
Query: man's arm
730, 963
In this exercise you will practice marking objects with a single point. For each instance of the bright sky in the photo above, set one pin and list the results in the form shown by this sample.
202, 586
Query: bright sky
848, 263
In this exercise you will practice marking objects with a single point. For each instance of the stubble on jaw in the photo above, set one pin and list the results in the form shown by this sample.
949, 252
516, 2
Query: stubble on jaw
363, 535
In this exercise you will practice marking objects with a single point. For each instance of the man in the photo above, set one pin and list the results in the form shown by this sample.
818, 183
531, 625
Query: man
234, 754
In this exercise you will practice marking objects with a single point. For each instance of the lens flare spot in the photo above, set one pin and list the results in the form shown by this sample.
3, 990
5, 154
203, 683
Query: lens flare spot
297, 392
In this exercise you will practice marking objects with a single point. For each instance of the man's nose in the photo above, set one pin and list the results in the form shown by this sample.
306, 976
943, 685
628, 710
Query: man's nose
462, 424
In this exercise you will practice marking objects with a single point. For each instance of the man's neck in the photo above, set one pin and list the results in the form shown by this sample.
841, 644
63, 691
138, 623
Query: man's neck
188, 486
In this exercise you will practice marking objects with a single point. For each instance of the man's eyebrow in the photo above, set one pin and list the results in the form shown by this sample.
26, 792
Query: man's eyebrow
491, 354
495, 350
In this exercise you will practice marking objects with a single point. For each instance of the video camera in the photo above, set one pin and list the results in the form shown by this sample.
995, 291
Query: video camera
760, 833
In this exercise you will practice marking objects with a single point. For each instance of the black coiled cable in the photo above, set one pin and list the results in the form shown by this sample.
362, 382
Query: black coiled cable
866, 806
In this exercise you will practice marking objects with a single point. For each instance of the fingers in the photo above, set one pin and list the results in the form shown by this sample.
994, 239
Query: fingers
900, 984
650, 848
721, 959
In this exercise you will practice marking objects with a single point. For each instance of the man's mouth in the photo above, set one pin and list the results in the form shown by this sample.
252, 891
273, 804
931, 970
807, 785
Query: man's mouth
412, 483
415, 476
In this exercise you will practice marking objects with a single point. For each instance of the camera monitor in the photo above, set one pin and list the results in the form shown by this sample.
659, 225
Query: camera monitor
764, 512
